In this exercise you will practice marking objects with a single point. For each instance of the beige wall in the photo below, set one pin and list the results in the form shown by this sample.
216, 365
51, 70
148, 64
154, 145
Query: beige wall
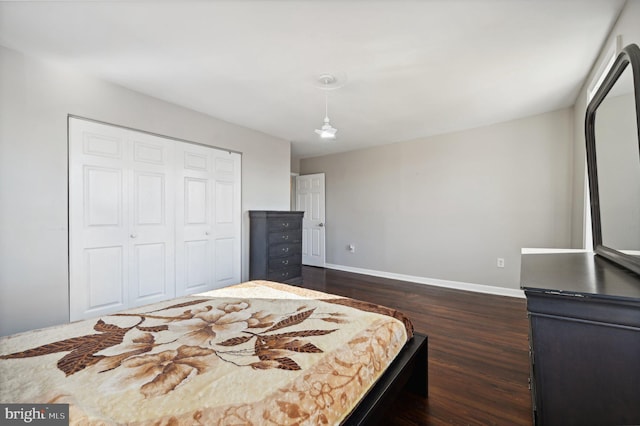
35, 98
446, 207
295, 165
434, 234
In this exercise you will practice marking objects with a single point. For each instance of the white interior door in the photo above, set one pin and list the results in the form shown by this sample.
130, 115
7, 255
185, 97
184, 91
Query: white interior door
310, 198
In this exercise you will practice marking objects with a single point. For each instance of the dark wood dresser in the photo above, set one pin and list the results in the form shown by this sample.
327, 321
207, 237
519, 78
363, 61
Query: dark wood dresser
275, 251
584, 314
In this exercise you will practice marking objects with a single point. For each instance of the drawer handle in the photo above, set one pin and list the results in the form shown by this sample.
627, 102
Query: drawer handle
285, 224
285, 274
285, 262
285, 237
285, 249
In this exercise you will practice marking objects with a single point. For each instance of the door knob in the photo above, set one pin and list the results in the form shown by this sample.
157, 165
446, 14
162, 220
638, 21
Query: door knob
321, 224
133, 235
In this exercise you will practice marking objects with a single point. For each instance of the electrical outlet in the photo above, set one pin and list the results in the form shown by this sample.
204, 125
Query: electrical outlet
351, 248
500, 263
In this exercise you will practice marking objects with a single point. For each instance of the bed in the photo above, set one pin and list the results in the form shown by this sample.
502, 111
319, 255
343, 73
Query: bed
254, 353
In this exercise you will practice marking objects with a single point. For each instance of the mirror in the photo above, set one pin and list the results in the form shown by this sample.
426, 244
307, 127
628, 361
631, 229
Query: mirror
613, 158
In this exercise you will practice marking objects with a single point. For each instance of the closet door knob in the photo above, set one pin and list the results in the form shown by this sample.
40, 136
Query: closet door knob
133, 235
206, 232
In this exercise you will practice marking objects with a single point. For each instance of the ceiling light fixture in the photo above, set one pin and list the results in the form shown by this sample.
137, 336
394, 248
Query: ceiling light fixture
327, 131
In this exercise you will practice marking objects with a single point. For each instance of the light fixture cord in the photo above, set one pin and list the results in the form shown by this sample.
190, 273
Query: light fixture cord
326, 107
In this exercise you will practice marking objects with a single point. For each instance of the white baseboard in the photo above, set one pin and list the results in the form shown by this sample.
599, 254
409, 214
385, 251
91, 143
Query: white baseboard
478, 288
552, 251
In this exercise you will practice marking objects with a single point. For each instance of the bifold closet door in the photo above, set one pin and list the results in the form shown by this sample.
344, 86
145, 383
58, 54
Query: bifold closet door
150, 218
207, 219
227, 217
121, 224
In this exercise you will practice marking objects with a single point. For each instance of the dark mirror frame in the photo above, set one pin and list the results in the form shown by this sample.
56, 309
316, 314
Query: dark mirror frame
629, 56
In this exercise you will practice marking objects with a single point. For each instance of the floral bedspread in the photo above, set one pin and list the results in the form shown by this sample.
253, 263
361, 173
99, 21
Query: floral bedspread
258, 353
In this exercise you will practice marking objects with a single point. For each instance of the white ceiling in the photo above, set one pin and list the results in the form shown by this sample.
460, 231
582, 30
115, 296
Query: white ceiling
413, 68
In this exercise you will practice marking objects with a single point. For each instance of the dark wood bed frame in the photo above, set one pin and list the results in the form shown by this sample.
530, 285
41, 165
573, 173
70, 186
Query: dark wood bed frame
409, 370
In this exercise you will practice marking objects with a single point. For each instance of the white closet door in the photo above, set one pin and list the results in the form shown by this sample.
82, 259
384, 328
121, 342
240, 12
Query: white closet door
194, 219
151, 219
208, 219
121, 244
227, 217
99, 228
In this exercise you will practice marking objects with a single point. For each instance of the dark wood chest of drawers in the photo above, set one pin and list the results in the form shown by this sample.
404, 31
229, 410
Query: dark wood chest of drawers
275, 252
584, 313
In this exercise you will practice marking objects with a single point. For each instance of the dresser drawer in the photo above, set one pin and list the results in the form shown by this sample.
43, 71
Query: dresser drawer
284, 224
281, 250
284, 262
285, 237
282, 275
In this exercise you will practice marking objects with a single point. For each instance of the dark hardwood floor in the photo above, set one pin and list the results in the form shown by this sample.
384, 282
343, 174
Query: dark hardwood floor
478, 349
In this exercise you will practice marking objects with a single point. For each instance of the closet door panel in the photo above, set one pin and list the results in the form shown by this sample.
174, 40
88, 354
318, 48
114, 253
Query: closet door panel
150, 197
224, 240
194, 217
225, 262
196, 202
104, 229
104, 268
103, 196
96, 142
98, 224
152, 221
197, 259
227, 215
224, 203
